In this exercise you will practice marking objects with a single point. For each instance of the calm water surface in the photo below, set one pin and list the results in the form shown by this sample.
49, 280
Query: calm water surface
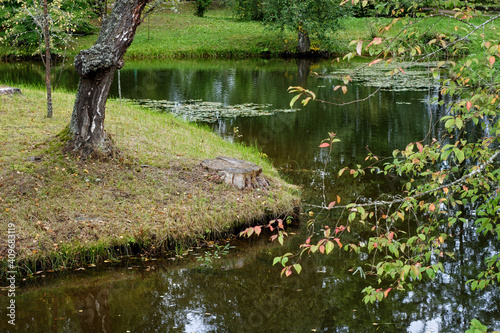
243, 292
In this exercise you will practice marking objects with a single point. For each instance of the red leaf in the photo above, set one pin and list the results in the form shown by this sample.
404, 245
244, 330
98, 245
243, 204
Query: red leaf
331, 204
401, 70
492, 60
288, 271
324, 145
257, 230
469, 105
338, 242
420, 147
386, 292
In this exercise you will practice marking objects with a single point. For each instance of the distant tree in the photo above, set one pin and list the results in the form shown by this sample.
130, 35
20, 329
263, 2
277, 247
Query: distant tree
202, 7
39, 26
319, 18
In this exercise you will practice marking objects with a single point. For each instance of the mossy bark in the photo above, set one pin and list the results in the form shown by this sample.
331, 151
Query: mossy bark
96, 67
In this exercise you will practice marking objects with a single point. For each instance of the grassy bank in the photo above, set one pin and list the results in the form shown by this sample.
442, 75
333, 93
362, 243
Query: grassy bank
168, 35
69, 212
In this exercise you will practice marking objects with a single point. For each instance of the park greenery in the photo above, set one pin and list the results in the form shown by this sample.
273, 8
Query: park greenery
450, 178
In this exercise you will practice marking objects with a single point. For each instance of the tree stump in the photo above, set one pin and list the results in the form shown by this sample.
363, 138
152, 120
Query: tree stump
9, 91
239, 173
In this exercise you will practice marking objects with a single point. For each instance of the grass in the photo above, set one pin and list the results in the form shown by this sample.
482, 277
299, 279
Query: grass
166, 34
70, 212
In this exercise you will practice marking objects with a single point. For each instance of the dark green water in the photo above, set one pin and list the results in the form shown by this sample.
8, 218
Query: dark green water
243, 292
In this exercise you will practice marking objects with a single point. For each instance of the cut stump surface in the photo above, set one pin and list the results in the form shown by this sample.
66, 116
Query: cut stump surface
239, 173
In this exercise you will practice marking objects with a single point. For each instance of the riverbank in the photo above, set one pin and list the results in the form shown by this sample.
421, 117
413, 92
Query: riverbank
65, 212
182, 35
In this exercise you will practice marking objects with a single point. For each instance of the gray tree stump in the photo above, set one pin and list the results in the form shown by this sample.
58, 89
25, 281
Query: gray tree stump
239, 173
9, 91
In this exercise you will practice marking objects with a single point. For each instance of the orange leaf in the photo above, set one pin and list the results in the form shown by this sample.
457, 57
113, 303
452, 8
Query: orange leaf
338, 199
386, 292
338, 242
432, 207
324, 145
492, 60
420, 147
469, 105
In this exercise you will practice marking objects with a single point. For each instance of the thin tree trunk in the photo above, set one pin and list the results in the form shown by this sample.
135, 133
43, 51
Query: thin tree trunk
96, 67
46, 37
304, 44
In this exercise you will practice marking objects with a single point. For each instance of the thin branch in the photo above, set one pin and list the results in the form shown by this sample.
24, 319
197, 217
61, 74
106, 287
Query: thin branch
418, 195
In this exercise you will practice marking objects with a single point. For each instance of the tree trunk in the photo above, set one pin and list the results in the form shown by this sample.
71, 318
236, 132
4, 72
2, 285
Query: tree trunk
304, 42
96, 67
46, 38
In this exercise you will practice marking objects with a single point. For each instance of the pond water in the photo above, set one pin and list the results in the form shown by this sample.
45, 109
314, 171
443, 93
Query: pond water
242, 291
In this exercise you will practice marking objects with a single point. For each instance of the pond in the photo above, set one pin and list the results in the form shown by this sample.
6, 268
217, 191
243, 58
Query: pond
247, 101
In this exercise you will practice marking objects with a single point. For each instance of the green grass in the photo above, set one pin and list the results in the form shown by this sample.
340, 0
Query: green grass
69, 212
167, 34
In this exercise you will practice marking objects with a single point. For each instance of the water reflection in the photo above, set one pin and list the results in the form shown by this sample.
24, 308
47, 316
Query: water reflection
244, 293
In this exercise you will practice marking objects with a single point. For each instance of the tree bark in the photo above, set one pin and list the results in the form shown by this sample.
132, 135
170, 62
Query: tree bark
46, 38
96, 67
304, 44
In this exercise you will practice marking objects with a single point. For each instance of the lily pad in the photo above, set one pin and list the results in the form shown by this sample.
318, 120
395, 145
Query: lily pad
203, 111
415, 76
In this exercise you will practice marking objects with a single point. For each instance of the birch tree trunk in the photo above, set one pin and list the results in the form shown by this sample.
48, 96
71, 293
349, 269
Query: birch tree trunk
46, 38
96, 67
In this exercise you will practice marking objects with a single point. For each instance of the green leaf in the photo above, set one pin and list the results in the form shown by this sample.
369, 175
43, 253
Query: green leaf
298, 268
329, 247
294, 99
276, 260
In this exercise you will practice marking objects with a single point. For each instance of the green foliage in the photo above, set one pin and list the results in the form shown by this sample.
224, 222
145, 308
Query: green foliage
209, 257
247, 10
23, 21
317, 18
202, 7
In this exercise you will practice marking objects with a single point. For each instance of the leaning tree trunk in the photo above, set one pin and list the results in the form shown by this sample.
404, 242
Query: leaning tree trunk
96, 67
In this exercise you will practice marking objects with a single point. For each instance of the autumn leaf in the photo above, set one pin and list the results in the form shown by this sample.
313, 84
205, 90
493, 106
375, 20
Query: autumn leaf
324, 145
492, 60
432, 207
359, 47
374, 62
257, 230
469, 105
